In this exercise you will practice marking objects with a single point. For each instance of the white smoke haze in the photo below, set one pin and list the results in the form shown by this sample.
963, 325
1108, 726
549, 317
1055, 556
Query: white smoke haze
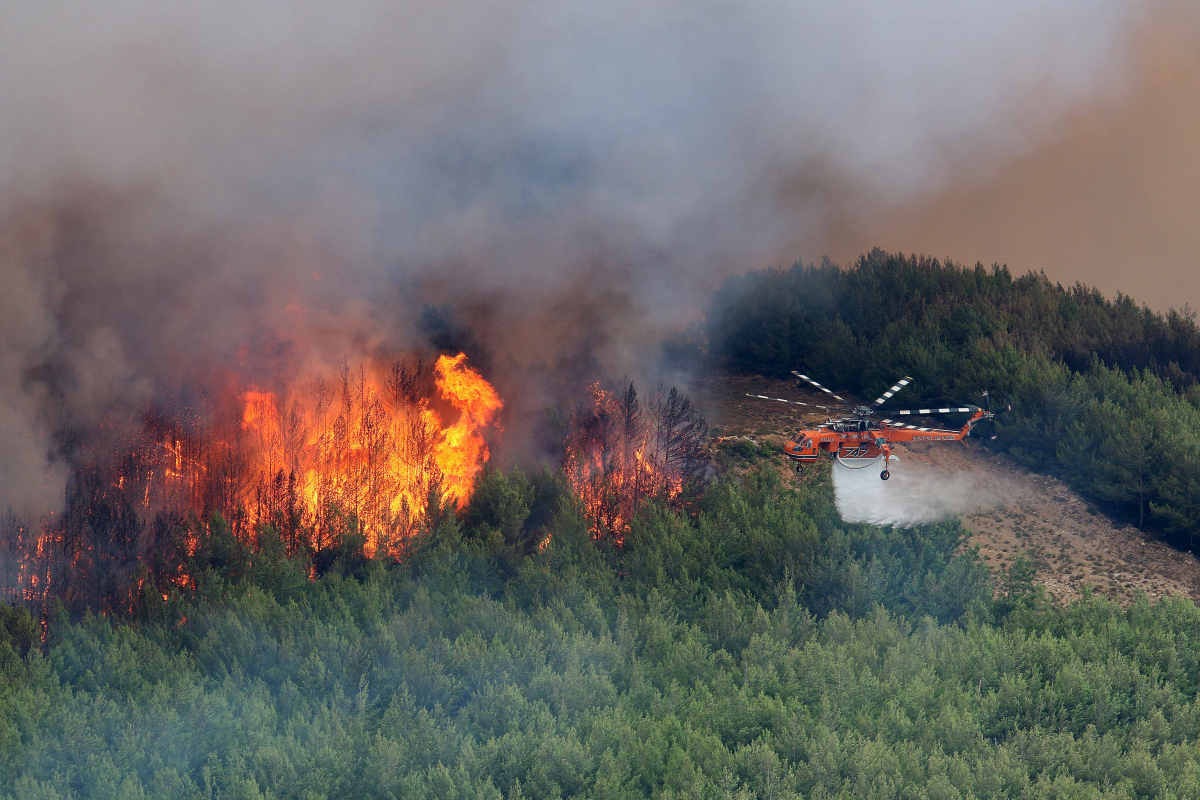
262, 186
914, 493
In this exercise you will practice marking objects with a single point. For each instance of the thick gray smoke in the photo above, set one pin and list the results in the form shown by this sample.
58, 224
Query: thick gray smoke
187, 188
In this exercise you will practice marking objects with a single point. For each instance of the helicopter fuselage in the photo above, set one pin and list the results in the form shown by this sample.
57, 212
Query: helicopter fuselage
859, 437
852, 437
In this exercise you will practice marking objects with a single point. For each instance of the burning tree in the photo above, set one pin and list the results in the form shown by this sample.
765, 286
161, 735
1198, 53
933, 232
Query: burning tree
353, 466
364, 455
321, 463
620, 452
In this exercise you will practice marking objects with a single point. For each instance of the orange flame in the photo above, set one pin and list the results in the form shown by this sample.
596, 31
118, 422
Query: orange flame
362, 456
258, 409
462, 451
372, 459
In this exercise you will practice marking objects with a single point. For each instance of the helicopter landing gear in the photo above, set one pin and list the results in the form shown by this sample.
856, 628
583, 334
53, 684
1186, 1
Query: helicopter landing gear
883, 476
799, 468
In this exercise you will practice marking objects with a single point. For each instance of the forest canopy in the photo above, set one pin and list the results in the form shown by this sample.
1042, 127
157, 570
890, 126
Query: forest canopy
754, 647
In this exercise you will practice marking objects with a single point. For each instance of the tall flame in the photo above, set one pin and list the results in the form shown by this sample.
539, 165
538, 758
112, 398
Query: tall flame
462, 451
371, 456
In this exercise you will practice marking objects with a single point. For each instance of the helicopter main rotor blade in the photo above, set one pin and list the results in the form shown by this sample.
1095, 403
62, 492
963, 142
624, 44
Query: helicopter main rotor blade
921, 412
819, 386
789, 402
917, 427
900, 384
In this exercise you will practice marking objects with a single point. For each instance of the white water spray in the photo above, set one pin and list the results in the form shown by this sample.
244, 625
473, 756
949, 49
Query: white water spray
916, 492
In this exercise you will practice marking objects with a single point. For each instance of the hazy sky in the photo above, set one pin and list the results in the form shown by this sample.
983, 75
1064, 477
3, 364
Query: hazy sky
1110, 198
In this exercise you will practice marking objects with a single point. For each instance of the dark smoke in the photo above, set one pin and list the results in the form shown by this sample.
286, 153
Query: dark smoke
256, 188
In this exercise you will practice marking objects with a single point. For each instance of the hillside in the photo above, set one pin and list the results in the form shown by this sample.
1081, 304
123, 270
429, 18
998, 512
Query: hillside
1007, 508
1105, 393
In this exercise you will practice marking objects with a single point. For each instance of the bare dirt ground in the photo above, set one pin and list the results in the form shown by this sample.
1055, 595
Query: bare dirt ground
1010, 509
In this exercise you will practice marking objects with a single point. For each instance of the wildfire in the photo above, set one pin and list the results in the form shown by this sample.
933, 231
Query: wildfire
358, 460
462, 450
621, 452
258, 410
367, 453
362, 456
331, 466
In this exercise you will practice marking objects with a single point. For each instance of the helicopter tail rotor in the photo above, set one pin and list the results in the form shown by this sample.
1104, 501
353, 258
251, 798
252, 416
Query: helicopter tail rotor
991, 417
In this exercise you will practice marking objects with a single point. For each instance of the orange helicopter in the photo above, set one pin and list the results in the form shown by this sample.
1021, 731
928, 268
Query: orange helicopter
856, 437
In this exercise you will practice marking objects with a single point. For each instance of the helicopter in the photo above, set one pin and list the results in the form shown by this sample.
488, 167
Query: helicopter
857, 436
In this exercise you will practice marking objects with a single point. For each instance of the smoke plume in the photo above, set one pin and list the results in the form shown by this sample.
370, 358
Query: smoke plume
190, 191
